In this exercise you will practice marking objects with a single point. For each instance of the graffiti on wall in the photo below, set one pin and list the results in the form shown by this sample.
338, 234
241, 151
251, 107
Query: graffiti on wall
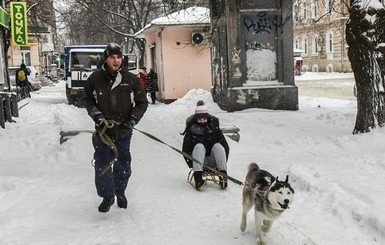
260, 36
262, 22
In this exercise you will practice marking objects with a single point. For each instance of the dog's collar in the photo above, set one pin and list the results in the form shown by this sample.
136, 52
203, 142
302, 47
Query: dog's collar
263, 195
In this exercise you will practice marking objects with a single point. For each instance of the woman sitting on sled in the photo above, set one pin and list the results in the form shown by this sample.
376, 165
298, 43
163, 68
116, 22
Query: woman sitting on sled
205, 142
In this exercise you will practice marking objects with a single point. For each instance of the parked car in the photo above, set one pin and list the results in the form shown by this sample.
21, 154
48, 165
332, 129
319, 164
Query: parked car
32, 78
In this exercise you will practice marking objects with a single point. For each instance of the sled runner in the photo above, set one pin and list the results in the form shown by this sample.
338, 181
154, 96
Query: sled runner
207, 176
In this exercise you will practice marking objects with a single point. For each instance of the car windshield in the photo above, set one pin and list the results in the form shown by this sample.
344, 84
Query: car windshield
86, 60
12, 72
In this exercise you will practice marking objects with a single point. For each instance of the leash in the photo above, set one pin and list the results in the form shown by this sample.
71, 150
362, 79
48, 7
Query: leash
108, 124
188, 156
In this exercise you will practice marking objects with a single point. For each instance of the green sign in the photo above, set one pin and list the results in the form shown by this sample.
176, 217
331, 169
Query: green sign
4, 19
19, 23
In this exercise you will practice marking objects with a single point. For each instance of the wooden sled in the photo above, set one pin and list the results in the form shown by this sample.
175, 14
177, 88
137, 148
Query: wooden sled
207, 176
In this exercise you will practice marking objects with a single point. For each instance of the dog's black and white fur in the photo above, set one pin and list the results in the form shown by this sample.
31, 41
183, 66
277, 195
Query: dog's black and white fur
270, 197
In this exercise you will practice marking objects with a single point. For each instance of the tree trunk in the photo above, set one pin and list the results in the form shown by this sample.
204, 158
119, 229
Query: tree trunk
363, 56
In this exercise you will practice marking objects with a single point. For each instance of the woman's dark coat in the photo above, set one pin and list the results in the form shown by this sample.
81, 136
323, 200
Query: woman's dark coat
208, 136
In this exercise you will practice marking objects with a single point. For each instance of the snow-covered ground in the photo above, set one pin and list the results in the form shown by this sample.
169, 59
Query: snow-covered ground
47, 193
330, 85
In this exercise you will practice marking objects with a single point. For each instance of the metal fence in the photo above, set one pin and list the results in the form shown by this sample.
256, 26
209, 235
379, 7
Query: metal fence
8, 104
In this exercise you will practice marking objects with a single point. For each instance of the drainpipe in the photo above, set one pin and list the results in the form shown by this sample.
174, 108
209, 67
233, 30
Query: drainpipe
342, 38
342, 44
160, 63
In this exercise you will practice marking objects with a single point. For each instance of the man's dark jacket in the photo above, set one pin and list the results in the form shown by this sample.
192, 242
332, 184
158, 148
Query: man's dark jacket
117, 97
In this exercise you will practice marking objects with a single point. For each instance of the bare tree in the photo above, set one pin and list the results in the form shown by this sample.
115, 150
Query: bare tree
366, 40
100, 21
365, 37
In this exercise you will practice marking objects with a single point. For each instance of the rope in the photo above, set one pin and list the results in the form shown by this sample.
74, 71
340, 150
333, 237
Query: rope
108, 124
108, 142
188, 156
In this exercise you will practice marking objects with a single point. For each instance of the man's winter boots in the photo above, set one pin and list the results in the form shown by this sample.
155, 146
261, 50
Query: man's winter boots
199, 182
223, 180
121, 200
104, 207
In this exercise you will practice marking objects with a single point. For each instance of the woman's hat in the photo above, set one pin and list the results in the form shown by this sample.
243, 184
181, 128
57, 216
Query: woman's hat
201, 112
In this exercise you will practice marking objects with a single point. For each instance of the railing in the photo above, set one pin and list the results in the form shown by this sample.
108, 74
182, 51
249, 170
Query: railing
8, 104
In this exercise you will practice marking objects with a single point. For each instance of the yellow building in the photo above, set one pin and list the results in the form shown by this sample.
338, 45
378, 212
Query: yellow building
319, 31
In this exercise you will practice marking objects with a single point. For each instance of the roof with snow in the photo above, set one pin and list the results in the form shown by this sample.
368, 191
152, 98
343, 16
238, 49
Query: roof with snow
192, 16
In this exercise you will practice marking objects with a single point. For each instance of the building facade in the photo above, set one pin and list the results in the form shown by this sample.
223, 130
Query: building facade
319, 32
40, 51
178, 49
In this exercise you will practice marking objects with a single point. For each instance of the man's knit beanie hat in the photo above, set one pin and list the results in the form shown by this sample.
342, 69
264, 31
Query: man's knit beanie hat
111, 49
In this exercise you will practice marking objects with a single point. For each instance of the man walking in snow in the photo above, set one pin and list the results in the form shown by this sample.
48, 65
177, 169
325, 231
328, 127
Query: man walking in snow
205, 142
116, 101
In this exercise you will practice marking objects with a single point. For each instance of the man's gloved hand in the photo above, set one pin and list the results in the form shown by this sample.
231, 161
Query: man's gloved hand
99, 119
131, 123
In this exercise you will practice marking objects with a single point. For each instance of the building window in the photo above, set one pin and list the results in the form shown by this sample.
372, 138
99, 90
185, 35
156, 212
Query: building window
304, 45
303, 11
25, 52
26, 57
314, 9
305, 68
329, 6
314, 68
315, 44
296, 43
329, 42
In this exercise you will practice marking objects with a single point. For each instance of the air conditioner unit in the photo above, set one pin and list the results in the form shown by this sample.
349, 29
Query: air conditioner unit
198, 38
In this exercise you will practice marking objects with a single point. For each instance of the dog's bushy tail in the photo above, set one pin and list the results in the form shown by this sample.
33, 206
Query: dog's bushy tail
253, 167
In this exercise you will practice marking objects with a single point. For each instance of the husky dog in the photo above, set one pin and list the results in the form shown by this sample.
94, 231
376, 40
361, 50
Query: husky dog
270, 197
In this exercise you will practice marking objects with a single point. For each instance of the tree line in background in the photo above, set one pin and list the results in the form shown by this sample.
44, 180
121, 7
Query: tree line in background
101, 22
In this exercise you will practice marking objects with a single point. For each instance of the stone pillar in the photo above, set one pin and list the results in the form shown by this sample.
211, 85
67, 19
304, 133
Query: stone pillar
252, 54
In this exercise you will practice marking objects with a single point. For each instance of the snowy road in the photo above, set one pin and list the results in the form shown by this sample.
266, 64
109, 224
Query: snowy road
337, 86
